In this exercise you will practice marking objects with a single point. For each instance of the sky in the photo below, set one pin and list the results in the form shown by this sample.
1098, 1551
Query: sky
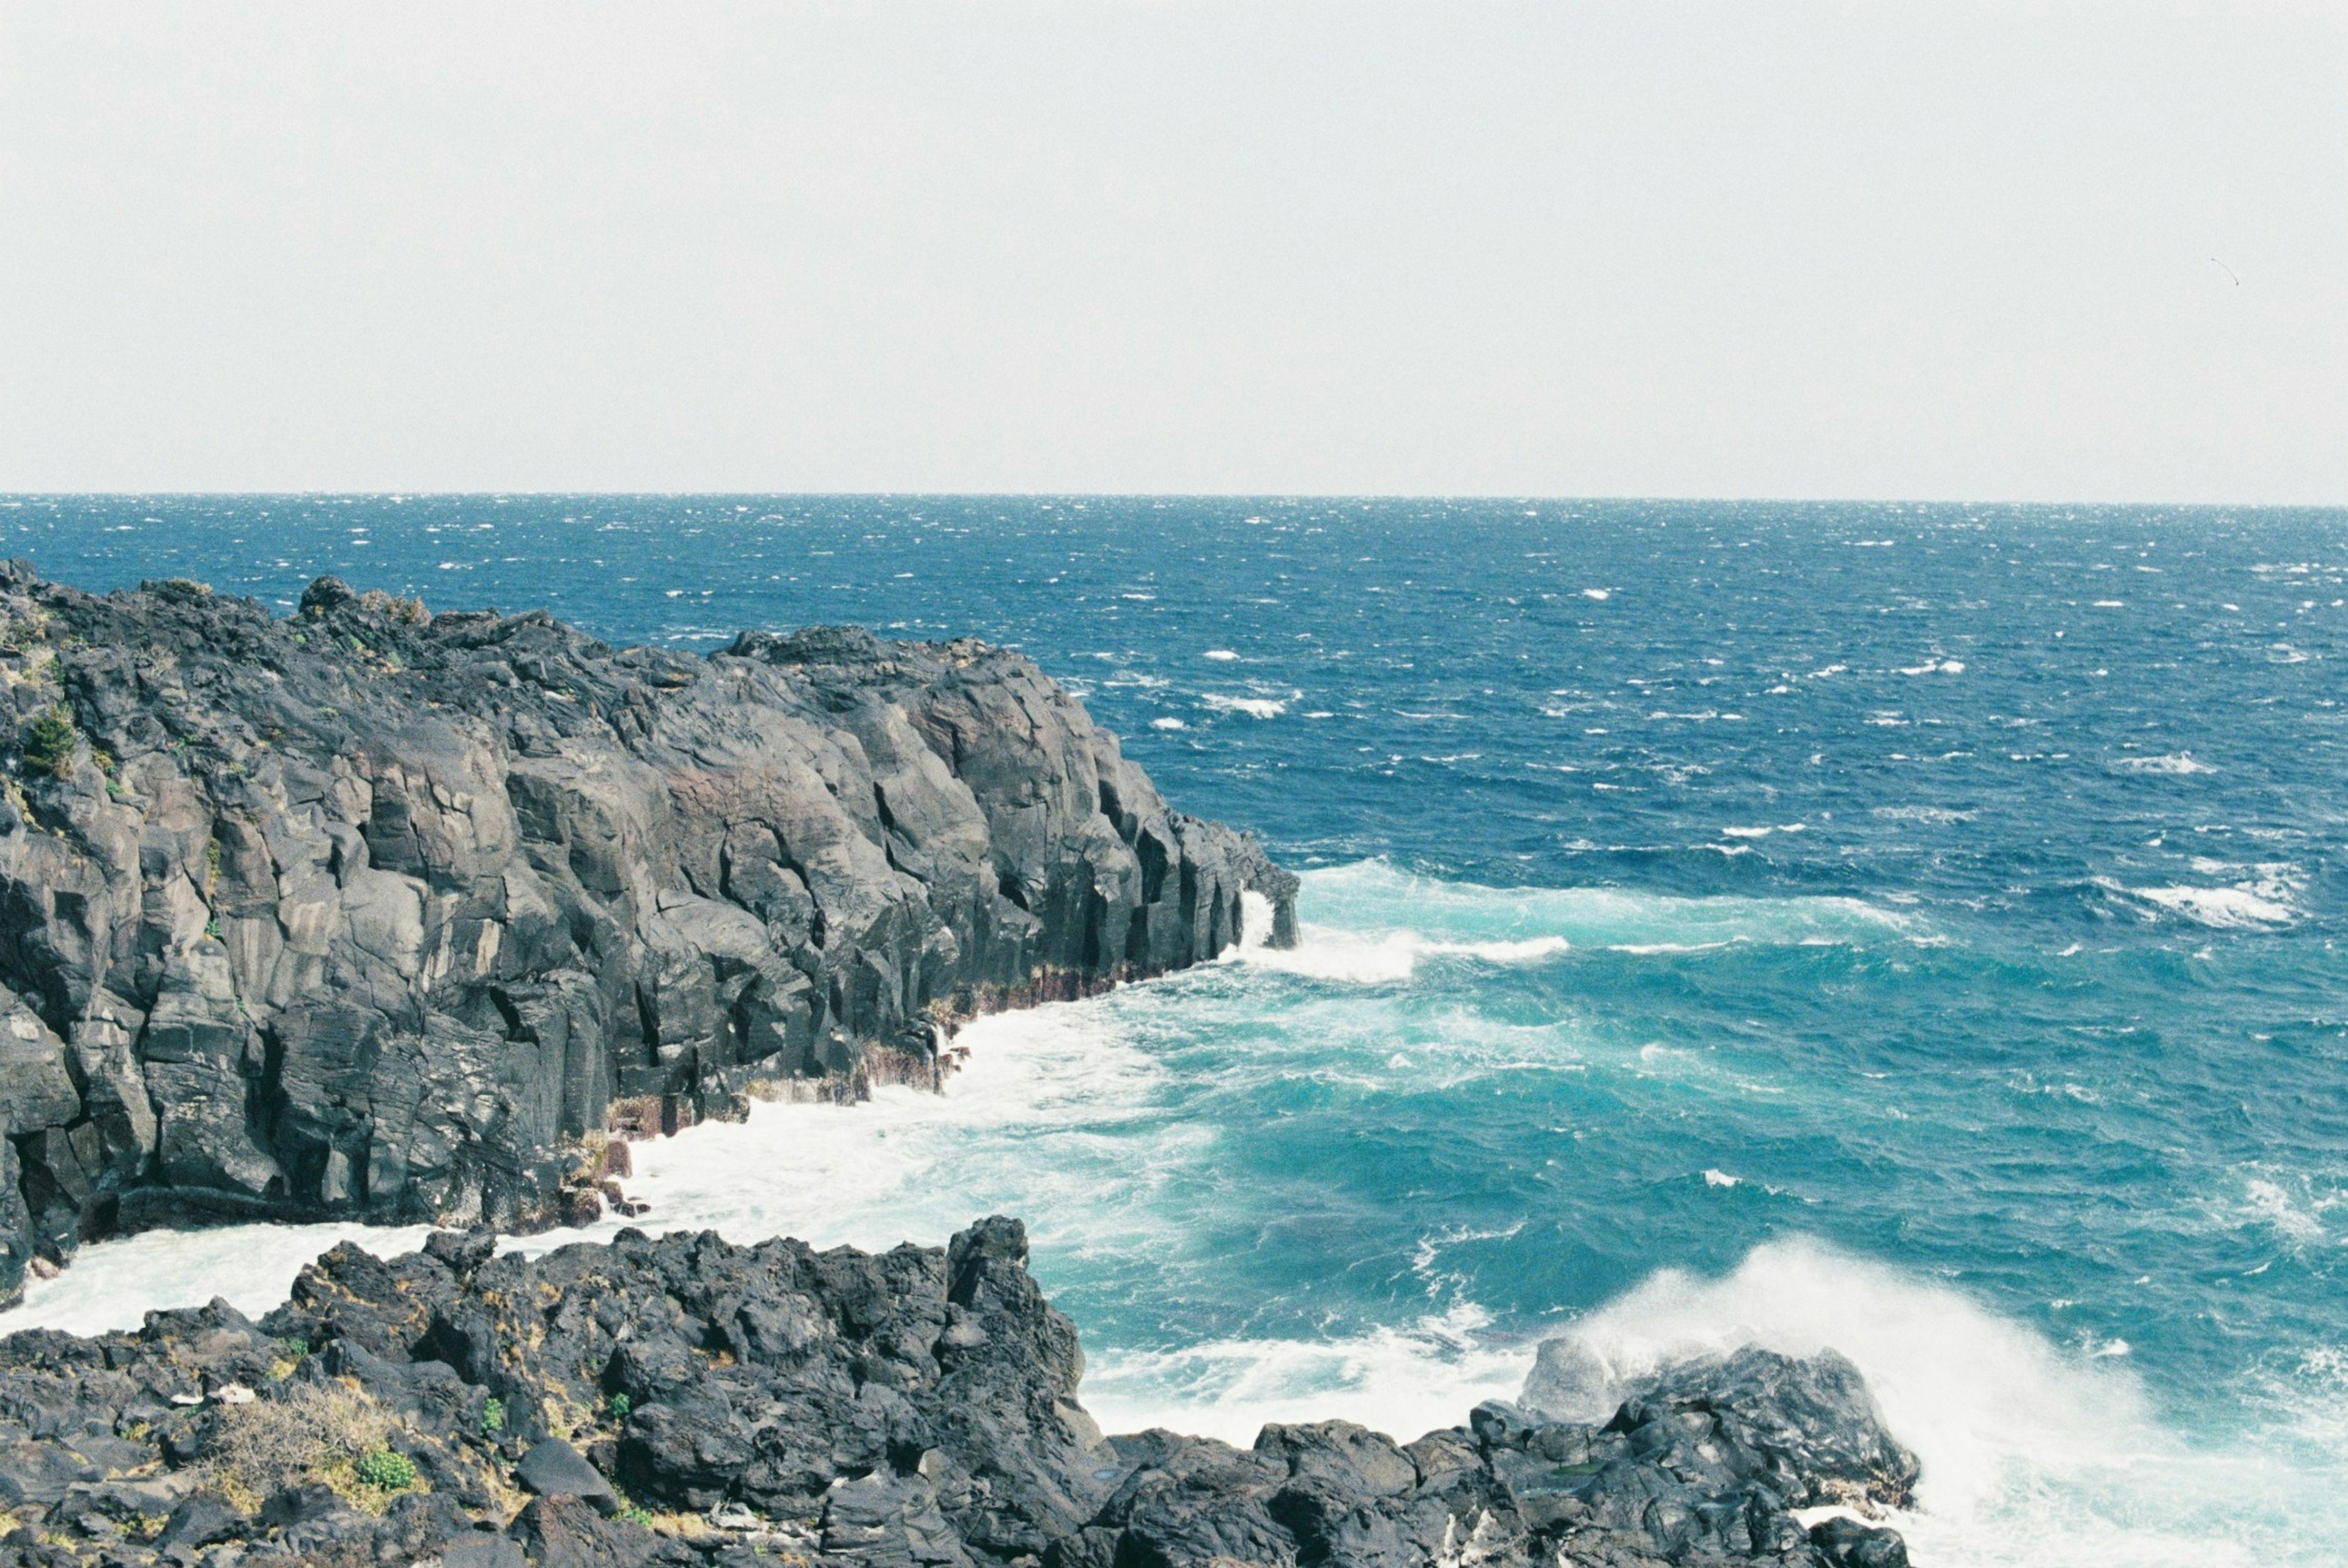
2009, 251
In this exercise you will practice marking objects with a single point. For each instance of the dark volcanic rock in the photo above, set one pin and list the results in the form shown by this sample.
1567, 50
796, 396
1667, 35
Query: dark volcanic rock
694, 1404
1807, 1429
552, 1468
373, 913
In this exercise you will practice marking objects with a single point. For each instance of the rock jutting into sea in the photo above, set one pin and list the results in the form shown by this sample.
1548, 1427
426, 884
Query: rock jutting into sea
688, 1402
378, 914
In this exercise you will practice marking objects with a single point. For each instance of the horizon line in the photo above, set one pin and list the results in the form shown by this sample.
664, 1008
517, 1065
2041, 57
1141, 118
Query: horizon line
1276, 497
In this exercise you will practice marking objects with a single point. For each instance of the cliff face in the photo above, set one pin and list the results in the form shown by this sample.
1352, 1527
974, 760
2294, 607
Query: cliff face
368, 911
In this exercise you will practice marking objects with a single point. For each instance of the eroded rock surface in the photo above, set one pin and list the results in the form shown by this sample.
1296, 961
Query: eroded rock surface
688, 1402
373, 913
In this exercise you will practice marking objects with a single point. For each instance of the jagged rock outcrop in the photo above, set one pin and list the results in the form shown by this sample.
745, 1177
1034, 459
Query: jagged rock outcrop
688, 1402
370, 912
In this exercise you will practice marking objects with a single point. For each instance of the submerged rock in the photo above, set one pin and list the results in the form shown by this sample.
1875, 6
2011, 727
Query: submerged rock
686, 1402
380, 914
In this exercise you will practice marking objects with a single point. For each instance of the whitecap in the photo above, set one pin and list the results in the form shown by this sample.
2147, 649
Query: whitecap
1653, 950
1939, 816
1254, 707
2180, 764
1168, 724
2270, 1204
2245, 908
1221, 655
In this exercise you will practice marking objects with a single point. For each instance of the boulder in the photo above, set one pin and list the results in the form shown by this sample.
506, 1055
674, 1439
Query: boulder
552, 1468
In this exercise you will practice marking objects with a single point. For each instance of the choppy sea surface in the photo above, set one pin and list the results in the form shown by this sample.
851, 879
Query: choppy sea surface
1912, 930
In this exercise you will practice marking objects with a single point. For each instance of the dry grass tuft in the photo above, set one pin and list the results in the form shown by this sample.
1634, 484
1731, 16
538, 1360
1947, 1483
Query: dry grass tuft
309, 1434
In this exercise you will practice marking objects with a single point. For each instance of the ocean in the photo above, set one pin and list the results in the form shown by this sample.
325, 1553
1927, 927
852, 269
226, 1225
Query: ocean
1908, 928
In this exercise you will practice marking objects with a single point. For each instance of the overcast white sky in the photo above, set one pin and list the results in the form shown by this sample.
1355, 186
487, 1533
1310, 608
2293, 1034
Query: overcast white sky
1743, 248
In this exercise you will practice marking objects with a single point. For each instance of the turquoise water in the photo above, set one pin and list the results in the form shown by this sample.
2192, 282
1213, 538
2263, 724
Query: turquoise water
1907, 929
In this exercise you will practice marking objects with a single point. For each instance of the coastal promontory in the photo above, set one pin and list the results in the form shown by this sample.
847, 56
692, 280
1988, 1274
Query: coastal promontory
375, 912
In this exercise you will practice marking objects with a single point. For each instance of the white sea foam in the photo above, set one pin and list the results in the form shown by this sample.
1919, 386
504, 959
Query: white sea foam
1255, 707
1374, 925
1168, 724
114, 1284
1221, 655
1327, 954
1256, 918
1370, 901
2247, 909
1403, 1382
2033, 1457
1939, 816
2271, 1206
1652, 949
2180, 764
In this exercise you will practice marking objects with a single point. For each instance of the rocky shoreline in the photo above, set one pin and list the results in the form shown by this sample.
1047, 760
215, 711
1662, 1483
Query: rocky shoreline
373, 913
691, 1403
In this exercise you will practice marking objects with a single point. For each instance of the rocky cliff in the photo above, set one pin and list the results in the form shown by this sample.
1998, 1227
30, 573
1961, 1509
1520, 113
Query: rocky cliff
373, 912
695, 1404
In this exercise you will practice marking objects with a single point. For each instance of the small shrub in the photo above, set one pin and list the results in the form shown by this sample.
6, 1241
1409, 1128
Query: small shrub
305, 1433
385, 1469
493, 1416
49, 742
620, 1407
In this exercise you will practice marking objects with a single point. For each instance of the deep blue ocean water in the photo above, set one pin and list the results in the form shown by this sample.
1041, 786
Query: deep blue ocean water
1910, 929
